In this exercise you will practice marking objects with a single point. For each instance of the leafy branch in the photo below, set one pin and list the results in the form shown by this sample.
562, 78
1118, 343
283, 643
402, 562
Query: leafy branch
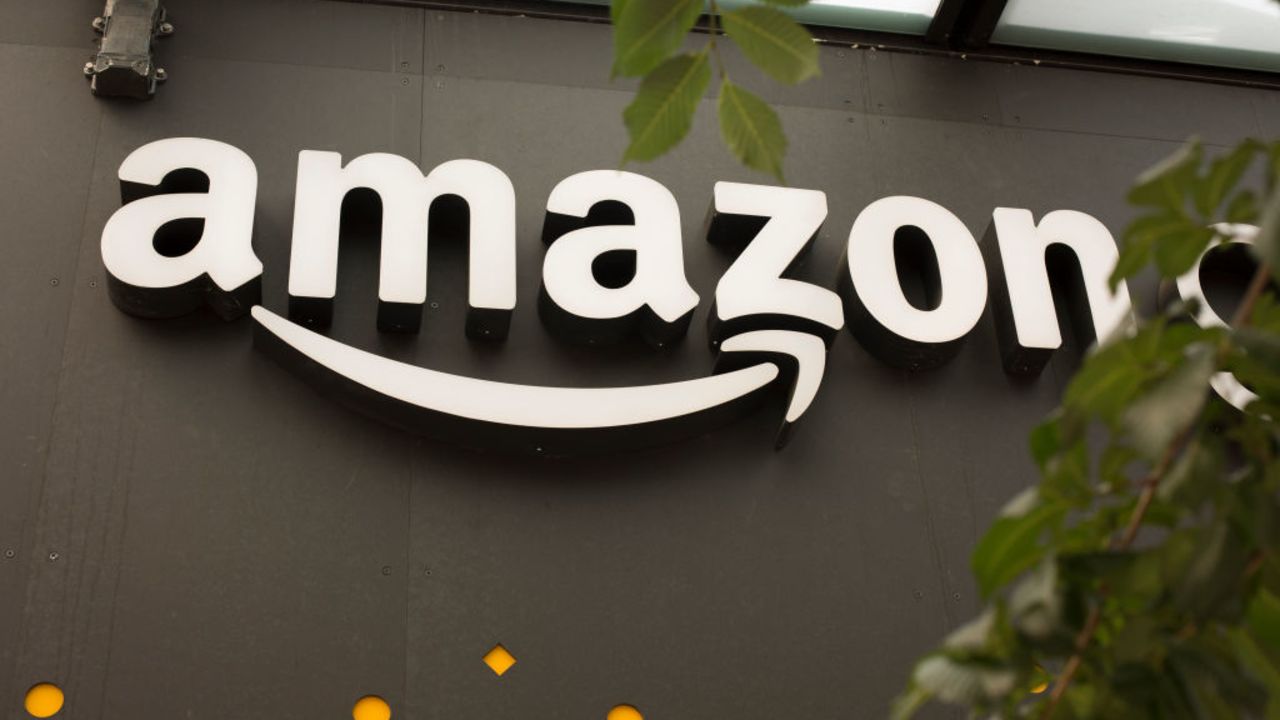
648, 39
1141, 577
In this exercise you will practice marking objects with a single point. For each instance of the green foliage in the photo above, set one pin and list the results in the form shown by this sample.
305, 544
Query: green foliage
751, 129
1140, 577
648, 36
774, 42
1012, 545
663, 109
646, 32
1267, 245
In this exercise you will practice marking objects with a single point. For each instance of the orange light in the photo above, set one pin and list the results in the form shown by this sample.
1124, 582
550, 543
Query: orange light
499, 660
624, 712
371, 707
44, 700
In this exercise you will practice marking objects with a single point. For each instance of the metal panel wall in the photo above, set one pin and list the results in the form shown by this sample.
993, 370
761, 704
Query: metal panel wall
196, 533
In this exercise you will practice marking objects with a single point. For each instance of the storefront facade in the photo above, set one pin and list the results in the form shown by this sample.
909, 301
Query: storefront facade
190, 529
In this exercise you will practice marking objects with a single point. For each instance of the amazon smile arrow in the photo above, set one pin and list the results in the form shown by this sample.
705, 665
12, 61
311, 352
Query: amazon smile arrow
550, 420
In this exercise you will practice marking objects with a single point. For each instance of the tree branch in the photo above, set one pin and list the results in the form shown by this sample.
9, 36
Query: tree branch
1149, 483
1256, 286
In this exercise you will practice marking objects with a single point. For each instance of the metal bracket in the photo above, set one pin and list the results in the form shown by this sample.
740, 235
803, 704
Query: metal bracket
964, 24
125, 63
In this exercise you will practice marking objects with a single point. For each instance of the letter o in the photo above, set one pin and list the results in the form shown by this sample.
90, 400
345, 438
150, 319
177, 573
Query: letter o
880, 315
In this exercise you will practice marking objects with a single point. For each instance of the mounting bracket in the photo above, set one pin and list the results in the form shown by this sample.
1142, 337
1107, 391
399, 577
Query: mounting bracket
124, 65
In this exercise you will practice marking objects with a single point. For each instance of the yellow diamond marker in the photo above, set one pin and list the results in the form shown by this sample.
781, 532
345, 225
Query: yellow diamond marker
499, 660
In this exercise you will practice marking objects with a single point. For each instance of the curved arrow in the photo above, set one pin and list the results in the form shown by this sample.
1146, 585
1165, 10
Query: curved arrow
406, 389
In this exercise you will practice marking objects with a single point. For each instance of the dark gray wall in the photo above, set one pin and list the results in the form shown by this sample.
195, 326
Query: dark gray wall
230, 544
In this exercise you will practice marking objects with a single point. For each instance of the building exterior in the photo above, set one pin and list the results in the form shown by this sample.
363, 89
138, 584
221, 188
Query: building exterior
189, 529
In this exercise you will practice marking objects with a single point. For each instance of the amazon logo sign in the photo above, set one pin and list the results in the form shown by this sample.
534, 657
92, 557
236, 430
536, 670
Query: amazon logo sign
766, 329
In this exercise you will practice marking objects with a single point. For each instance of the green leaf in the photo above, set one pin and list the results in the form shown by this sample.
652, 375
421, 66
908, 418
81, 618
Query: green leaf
1266, 313
1273, 166
1113, 467
751, 129
1177, 553
1109, 378
1045, 442
1035, 605
1224, 173
1022, 503
962, 682
646, 32
1263, 345
1263, 618
663, 109
1137, 640
1012, 545
1165, 184
1264, 668
1243, 208
972, 637
1106, 566
1266, 246
1169, 406
1140, 237
1066, 476
774, 42
1212, 681
1213, 581
1194, 475
906, 705
1177, 252
1134, 255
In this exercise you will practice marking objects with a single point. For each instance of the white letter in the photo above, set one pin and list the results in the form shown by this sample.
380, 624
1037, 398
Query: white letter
1026, 318
1224, 383
753, 286
657, 297
880, 316
219, 267
406, 198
